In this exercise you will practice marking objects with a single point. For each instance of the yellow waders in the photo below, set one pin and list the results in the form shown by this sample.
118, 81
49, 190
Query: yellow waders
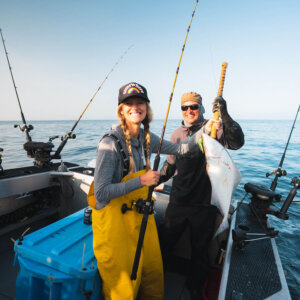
115, 237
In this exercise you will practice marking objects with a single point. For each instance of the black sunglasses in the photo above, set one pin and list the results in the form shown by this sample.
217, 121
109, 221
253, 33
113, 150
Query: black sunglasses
192, 107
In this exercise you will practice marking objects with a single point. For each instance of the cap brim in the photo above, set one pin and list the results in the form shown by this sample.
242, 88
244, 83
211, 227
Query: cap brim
134, 95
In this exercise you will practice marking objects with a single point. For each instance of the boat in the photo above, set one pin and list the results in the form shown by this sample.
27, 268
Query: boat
46, 236
38, 200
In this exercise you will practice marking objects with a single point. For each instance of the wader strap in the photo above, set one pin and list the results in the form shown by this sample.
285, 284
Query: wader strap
123, 153
145, 155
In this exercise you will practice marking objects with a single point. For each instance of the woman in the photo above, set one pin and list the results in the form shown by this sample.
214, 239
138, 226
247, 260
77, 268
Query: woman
122, 177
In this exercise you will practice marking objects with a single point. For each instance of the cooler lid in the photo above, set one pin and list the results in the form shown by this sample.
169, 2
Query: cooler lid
66, 245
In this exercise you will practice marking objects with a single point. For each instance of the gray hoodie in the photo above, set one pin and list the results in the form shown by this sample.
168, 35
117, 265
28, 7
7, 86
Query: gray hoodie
109, 163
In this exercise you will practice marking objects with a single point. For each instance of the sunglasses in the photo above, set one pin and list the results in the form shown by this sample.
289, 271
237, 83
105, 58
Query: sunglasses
192, 107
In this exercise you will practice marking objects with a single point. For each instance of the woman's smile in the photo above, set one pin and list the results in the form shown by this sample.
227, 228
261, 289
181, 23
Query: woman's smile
135, 110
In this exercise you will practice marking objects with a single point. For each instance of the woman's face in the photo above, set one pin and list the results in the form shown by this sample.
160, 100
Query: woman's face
134, 110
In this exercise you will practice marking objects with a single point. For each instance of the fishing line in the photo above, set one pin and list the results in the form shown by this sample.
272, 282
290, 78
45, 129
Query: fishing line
70, 133
149, 205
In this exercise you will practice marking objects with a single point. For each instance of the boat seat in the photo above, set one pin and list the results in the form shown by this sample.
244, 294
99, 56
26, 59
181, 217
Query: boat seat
38, 146
260, 191
40, 152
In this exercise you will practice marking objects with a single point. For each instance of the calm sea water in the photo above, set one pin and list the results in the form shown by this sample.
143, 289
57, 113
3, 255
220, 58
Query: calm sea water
264, 146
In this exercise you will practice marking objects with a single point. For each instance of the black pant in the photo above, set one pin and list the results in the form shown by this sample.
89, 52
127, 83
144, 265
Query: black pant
201, 223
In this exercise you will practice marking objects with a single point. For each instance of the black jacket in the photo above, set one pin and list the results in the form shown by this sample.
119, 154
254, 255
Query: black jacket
191, 185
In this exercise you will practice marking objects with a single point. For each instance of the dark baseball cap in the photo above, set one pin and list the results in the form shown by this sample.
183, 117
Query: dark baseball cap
132, 89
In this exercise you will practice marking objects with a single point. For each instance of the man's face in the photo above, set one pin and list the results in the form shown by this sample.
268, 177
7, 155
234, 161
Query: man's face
191, 115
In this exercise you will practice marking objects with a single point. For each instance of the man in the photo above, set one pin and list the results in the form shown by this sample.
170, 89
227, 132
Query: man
189, 205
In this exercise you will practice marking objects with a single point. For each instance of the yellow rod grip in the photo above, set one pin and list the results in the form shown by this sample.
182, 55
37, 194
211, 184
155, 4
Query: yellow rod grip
222, 78
220, 92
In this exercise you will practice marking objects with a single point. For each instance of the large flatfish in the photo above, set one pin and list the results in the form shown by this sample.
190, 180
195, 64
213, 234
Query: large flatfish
224, 177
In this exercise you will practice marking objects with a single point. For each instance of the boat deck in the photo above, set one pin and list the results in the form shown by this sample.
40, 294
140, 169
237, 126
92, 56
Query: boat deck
254, 271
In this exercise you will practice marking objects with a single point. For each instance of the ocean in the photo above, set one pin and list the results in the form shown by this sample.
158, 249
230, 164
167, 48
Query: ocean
265, 142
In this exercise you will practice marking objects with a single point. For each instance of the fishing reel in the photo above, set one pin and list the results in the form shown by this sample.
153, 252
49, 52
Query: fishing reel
140, 205
279, 172
24, 127
64, 139
69, 135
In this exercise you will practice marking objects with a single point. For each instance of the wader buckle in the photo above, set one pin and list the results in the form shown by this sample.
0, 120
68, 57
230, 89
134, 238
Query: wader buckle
141, 206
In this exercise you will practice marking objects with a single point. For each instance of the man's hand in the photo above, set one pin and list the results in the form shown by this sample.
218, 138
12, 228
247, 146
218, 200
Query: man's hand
220, 105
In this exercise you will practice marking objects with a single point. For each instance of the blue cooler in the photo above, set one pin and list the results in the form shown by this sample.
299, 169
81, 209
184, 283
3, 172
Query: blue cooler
58, 262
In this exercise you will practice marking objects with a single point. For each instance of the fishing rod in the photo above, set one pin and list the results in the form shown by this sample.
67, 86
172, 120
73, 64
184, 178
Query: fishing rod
70, 135
1, 168
279, 172
24, 128
213, 133
148, 206
38, 150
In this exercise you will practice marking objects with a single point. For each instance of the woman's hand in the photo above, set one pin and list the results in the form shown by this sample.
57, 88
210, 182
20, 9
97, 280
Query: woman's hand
209, 125
150, 178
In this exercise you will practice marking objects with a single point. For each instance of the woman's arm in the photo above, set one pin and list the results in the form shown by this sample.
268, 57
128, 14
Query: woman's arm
108, 174
175, 149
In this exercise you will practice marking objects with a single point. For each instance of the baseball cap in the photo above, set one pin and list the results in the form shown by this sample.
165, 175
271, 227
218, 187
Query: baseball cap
132, 89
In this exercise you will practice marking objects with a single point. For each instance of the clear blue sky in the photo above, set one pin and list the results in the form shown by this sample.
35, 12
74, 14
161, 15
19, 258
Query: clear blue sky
60, 52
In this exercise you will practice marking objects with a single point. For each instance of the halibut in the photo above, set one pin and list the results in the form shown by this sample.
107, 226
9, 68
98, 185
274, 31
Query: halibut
224, 177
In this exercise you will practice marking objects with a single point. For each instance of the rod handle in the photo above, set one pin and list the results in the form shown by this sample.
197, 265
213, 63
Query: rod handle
220, 93
143, 226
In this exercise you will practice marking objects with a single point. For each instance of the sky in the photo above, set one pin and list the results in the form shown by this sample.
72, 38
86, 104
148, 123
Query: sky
61, 50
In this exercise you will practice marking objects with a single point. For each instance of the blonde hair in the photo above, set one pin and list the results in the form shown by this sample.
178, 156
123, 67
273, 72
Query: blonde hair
126, 133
